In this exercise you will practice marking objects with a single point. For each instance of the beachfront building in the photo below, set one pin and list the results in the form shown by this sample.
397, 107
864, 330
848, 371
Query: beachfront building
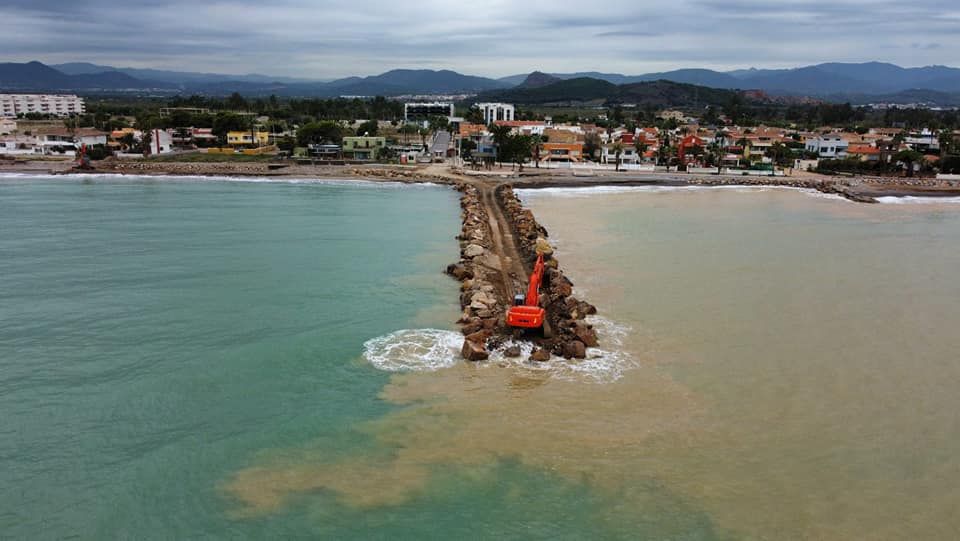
7, 126
691, 149
19, 145
248, 138
60, 140
494, 112
524, 127
424, 110
628, 153
61, 105
830, 146
864, 153
562, 146
363, 148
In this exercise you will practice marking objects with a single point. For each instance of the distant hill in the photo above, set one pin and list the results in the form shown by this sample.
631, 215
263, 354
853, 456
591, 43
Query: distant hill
35, 76
830, 81
175, 77
538, 79
586, 90
823, 80
417, 81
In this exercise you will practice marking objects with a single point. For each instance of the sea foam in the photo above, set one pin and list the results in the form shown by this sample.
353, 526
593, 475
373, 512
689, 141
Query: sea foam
913, 200
424, 350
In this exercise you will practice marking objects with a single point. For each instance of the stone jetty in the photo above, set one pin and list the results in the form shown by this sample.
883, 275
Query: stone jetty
499, 243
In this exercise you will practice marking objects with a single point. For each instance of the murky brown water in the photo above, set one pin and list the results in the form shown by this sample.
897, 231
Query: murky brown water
795, 375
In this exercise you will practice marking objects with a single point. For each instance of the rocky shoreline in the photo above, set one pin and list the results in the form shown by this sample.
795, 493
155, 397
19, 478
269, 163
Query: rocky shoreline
486, 296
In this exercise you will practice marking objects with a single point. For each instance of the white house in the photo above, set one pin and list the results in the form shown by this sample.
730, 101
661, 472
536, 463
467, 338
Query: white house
19, 145
493, 112
161, 142
64, 139
830, 146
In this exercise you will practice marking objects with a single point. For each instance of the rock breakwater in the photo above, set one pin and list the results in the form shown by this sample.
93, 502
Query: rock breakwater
487, 288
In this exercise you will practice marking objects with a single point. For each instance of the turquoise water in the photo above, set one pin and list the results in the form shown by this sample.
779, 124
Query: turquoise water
191, 359
155, 336
174, 353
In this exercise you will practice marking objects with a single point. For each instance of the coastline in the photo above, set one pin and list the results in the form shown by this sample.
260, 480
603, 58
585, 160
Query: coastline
858, 189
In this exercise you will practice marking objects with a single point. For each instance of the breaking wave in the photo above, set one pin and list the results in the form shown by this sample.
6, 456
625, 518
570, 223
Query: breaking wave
134, 178
424, 350
579, 191
414, 350
913, 200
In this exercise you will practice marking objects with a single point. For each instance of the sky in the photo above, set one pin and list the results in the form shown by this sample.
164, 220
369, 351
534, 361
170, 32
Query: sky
326, 39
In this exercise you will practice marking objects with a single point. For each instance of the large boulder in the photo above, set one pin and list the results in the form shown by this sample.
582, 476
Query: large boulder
543, 247
481, 300
574, 349
474, 351
540, 355
473, 250
585, 333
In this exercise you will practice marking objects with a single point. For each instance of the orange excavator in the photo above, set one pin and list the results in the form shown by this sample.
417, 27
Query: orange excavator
526, 311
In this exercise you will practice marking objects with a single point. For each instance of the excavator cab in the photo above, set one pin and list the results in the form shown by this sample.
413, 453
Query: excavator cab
526, 312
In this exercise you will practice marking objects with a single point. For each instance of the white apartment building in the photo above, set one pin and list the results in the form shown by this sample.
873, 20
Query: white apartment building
493, 112
12, 105
831, 146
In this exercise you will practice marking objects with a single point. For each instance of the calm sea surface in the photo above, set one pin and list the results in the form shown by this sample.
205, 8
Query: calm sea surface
207, 359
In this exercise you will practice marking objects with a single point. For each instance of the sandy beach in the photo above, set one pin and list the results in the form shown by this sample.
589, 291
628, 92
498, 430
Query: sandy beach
861, 189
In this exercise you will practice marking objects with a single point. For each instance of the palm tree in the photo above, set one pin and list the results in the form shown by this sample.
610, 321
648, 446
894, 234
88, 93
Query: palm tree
617, 151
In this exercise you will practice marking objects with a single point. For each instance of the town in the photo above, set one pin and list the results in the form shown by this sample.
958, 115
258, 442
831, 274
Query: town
482, 136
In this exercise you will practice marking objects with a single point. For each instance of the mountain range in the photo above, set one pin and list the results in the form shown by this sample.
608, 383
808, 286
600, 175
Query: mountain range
818, 80
861, 83
590, 91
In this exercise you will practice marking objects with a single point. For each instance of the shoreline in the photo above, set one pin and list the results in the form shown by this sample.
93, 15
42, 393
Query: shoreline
858, 189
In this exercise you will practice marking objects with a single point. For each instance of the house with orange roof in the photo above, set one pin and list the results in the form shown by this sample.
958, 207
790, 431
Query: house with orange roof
865, 153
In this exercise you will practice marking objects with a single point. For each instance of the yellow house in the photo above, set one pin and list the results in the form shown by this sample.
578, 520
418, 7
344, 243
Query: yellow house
246, 138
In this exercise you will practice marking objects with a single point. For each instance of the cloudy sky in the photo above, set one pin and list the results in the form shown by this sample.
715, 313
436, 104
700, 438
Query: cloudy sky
333, 38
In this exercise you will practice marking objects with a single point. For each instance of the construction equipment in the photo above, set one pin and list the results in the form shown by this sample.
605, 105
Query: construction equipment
526, 311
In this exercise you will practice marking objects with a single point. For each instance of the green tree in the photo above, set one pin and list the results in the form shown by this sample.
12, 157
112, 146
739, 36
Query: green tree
946, 140
640, 145
236, 102
500, 135
438, 123
517, 149
320, 132
780, 154
909, 158
227, 122
370, 127
591, 145
474, 116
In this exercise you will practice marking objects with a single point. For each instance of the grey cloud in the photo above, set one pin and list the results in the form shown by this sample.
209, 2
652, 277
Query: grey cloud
488, 37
